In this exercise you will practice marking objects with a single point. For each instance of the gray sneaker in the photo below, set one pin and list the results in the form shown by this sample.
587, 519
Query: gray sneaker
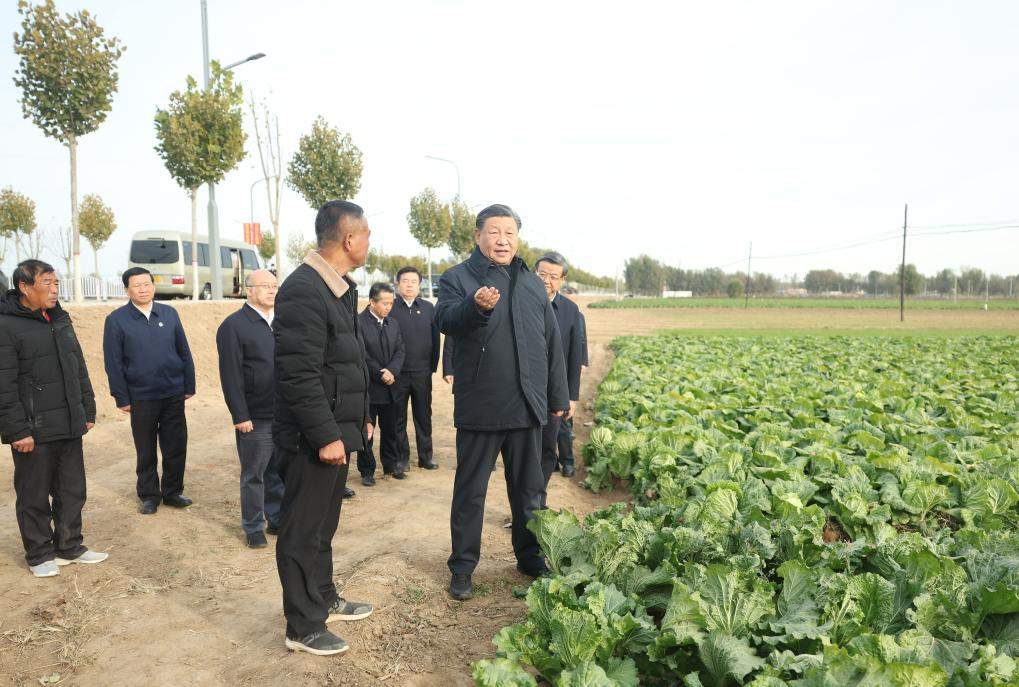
323, 643
348, 610
45, 569
88, 557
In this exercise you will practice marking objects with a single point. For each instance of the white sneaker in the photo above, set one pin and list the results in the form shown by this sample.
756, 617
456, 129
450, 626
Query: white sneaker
45, 569
87, 557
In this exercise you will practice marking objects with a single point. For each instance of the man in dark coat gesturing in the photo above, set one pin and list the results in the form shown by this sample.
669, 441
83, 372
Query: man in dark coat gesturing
384, 356
321, 416
46, 406
508, 374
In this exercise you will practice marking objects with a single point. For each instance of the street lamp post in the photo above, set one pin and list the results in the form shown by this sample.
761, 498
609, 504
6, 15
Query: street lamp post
251, 203
216, 260
442, 159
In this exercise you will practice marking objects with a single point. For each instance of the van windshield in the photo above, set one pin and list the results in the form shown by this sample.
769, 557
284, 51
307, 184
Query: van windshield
154, 252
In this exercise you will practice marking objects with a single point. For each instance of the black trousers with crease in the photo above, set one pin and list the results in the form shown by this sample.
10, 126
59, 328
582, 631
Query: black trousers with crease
160, 421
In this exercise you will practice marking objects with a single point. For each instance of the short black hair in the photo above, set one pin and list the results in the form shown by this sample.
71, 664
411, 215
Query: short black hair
408, 270
378, 288
133, 272
497, 210
329, 218
553, 258
28, 270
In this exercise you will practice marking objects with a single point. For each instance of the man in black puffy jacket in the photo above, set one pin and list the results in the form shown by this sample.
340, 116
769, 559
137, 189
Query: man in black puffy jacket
321, 417
508, 376
46, 406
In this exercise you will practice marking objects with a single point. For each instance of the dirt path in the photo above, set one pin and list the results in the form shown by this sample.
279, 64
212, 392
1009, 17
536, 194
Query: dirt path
182, 601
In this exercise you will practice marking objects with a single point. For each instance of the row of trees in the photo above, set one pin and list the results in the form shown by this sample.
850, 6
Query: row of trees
96, 222
647, 276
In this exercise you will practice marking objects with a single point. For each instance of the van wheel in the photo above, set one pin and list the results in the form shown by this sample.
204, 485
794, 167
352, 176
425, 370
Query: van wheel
206, 294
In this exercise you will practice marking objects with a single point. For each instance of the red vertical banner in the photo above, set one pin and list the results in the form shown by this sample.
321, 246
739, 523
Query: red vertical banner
247, 232
256, 234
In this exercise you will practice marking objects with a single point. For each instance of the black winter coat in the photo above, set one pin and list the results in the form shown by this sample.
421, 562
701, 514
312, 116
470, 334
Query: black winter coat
45, 391
321, 378
490, 375
383, 348
247, 348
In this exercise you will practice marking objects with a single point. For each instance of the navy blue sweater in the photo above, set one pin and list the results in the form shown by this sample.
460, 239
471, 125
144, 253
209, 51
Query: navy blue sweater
247, 349
147, 359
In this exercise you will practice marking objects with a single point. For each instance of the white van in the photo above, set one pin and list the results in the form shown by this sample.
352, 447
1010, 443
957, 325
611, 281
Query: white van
167, 255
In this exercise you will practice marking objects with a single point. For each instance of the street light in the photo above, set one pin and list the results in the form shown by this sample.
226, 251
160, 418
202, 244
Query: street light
251, 206
215, 266
442, 159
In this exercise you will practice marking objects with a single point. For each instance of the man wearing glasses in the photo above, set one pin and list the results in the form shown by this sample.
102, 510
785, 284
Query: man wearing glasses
551, 268
247, 349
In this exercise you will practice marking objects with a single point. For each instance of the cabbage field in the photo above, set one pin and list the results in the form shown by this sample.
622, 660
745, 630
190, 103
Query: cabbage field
813, 511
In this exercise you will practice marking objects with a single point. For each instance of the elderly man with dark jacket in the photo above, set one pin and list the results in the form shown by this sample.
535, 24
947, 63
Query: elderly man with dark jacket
321, 418
385, 353
46, 406
247, 351
508, 373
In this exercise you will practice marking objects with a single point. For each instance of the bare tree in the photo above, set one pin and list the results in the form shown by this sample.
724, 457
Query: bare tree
267, 138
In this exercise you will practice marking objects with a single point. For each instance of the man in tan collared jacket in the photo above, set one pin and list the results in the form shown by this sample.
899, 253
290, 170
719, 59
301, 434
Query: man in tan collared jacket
321, 418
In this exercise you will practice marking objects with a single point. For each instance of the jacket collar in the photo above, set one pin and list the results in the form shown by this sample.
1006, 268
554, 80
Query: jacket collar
11, 305
481, 264
138, 314
338, 283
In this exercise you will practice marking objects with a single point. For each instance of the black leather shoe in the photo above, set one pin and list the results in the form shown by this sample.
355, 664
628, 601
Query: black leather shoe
460, 587
399, 474
148, 507
272, 529
177, 501
256, 540
368, 480
427, 465
569, 470
543, 571
348, 493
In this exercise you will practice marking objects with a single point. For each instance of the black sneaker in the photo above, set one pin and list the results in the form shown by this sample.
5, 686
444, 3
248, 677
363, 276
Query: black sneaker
368, 480
348, 610
460, 587
348, 493
272, 529
569, 470
543, 571
323, 643
256, 540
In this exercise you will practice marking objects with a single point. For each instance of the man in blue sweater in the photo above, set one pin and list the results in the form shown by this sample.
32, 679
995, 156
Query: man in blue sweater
151, 374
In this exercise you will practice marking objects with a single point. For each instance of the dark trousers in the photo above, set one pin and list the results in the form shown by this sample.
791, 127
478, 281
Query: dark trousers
382, 417
415, 388
312, 498
475, 456
161, 421
52, 471
549, 459
565, 440
261, 486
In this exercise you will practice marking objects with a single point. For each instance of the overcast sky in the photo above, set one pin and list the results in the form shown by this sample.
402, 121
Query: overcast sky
684, 130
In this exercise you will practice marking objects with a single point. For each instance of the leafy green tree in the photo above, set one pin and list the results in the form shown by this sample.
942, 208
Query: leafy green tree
67, 73
267, 249
298, 247
734, 289
327, 166
200, 138
461, 232
429, 221
644, 275
97, 223
914, 280
17, 217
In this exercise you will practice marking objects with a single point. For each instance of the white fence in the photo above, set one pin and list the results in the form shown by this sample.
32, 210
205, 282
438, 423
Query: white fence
94, 288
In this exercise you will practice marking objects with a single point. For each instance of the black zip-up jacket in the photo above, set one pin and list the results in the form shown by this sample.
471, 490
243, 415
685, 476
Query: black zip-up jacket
247, 348
384, 347
321, 378
420, 334
45, 391
571, 330
508, 357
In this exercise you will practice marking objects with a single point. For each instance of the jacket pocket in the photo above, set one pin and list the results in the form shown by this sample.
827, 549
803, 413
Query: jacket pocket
334, 402
481, 360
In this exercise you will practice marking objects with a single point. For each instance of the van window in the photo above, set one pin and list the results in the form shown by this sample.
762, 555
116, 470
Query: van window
203, 254
154, 251
249, 260
224, 254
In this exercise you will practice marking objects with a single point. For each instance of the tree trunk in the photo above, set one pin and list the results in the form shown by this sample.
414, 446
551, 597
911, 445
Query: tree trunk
17, 246
99, 281
72, 145
196, 289
431, 286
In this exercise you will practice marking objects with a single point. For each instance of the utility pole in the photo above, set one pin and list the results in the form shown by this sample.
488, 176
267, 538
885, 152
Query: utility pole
902, 269
746, 291
955, 291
